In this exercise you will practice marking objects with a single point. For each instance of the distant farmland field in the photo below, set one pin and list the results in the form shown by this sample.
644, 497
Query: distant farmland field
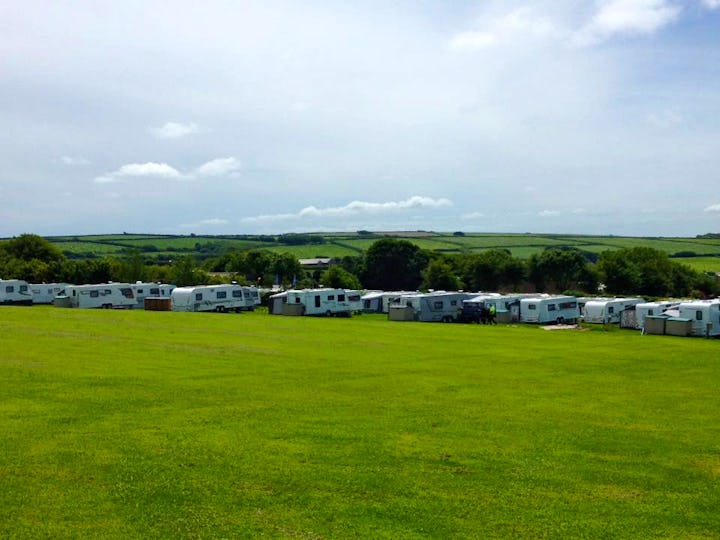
342, 244
134, 424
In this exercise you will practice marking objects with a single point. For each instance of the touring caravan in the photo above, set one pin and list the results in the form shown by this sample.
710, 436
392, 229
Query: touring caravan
322, 302
45, 293
428, 307
251, 295
150, 290
15, 291
607, 310
650, 309
549, 309
220, 298
705, 316
104, 295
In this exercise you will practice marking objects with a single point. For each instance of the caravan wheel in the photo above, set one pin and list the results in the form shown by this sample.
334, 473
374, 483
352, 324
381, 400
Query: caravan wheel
220, 309
560, 320
328, 313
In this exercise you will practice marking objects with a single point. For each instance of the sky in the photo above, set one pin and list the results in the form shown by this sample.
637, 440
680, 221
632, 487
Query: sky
273, 116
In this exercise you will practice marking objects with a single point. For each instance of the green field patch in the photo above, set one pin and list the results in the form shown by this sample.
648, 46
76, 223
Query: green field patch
133, 424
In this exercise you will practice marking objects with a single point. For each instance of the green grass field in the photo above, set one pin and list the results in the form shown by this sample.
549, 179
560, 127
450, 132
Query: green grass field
342, 244
119, 424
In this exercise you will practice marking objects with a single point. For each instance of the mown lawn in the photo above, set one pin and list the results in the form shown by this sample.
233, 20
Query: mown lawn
121, 424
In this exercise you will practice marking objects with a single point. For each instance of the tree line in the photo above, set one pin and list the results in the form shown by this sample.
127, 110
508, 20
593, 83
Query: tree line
388, 264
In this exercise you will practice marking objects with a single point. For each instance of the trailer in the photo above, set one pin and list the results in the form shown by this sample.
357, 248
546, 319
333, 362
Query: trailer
608, 310
220, 298
439, 306
15, 291
150, 290
651, 309
103, 295
705, 316
549, 309
251, 295
328, 302
45, 293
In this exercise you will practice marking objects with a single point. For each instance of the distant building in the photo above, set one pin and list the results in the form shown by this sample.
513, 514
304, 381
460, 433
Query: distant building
318, 263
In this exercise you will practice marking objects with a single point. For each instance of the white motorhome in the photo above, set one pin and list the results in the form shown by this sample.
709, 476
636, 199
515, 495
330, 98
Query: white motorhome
15, 291
150, 290
220, 298
104, 295
549, 309
608, 310
323, 302
705, 316
45, 293
439, 306
651, 309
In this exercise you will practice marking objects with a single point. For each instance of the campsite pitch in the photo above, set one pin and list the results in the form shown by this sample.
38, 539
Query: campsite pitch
133, 424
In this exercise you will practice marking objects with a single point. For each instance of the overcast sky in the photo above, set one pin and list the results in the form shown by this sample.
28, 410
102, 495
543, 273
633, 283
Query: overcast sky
234, 117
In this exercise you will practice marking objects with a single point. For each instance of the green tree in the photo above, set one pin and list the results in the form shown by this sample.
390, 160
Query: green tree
28, 247
492, 270
339, 278
439, 275
560, 269
392, 264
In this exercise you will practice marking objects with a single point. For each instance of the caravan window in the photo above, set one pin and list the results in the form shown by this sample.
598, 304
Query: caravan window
532, 307
221, 294
107, 291
438, 304
568, 305
94, 294
611, 310
140, 291
331, 297
23, 288
552, 307
127, 292
155, 291
698, 315
237, 293
341, 297
9, 289
650, 312
198, 297
297, 299
453, 302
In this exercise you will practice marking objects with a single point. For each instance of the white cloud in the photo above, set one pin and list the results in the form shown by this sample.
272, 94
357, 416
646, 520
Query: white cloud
549, 213
713, 208
355, 208
219, 167
229, 166
628, 17
175, 130
74, 161
519, 24
471, 41
473, 215
712, 4
579, 211
665, 119
145, 170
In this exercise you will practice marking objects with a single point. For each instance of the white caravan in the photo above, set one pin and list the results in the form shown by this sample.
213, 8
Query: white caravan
440, 306
150, 290
220, 298
251, 295
324, 301
650, 309
104, 295
607, 310
705, 316
15, 291
45, 293
549, 309
380, 301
